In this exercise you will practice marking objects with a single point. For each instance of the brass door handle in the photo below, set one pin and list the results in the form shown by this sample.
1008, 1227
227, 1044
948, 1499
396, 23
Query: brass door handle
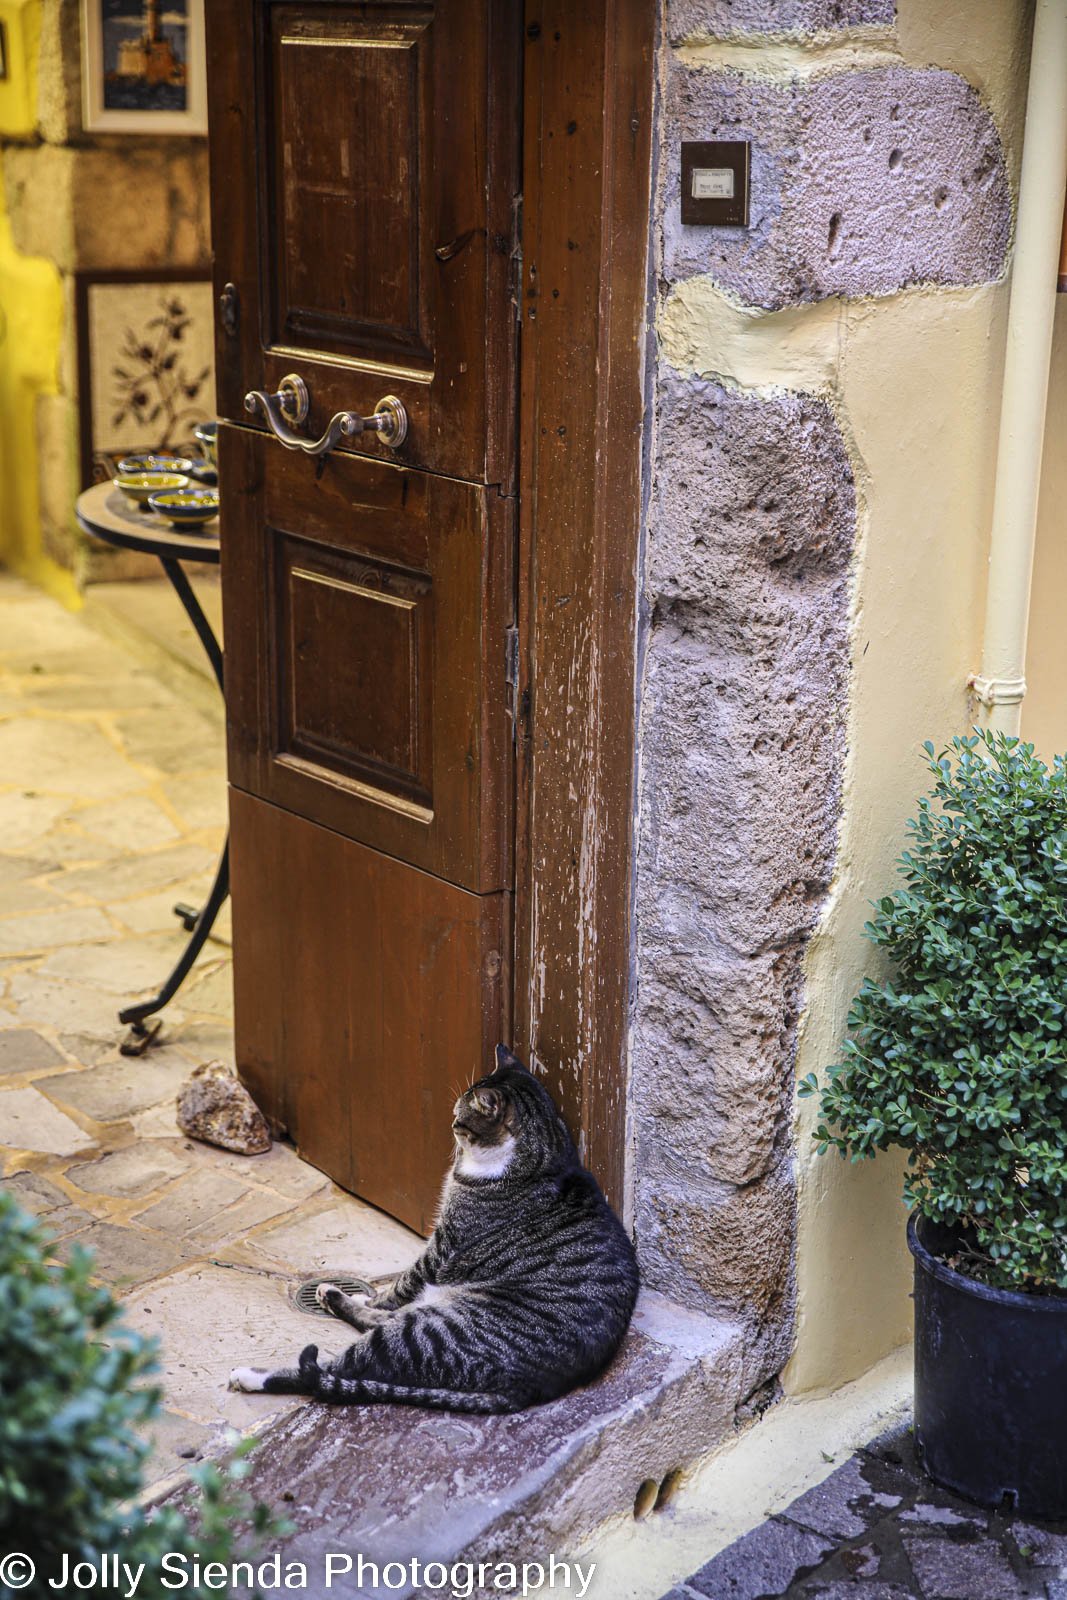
289, 406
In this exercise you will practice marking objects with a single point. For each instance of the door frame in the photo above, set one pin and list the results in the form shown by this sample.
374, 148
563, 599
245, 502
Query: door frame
588, 102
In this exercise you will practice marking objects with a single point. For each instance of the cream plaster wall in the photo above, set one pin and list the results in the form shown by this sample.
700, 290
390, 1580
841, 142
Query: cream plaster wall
1045, 706
914, 381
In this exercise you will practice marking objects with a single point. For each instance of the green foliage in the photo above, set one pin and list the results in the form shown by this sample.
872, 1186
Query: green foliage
73, 1396
961, 1058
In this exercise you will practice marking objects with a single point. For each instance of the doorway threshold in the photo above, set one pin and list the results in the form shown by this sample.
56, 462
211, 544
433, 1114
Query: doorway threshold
404, 1485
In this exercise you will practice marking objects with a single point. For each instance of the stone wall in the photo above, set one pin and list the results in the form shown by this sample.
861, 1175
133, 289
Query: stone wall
871, 177
86, 200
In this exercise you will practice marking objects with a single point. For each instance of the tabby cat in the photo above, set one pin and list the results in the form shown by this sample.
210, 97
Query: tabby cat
524, 1291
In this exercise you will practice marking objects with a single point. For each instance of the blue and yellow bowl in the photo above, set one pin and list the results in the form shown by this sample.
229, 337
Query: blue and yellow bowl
186, 508
140, 486
206, 435
154, 463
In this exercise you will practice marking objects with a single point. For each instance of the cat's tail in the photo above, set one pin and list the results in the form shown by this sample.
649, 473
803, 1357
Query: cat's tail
326, 1385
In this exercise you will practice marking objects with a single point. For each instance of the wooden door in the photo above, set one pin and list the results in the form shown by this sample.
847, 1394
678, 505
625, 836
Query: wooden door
364, 172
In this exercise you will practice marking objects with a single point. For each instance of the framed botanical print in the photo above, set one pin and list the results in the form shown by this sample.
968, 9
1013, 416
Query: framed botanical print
146, 373
143, 66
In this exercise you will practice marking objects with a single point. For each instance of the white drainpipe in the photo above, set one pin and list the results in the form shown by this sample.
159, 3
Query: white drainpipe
1001, 684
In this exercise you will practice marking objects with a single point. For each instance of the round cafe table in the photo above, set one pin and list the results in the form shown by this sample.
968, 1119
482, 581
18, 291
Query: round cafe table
107, 514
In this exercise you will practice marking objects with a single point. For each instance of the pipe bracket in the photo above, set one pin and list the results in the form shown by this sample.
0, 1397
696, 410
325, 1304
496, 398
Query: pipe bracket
997, 691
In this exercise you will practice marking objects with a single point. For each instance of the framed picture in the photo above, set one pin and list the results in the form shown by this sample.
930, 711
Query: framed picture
143, 66
146, 372
3, 50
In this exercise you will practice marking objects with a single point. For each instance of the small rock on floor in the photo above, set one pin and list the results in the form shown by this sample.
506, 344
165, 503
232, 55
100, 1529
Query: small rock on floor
214, 1106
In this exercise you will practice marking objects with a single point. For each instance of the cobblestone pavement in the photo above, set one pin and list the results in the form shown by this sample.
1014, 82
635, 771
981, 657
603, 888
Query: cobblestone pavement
112, 807
878, 1529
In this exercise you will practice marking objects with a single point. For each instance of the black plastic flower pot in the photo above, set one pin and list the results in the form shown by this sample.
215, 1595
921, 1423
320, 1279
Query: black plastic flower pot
990, 1384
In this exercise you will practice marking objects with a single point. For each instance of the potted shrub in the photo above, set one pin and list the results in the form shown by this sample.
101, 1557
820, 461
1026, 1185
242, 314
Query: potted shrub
960, 1058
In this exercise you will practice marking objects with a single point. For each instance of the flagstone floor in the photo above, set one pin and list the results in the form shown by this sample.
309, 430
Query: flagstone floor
112, 808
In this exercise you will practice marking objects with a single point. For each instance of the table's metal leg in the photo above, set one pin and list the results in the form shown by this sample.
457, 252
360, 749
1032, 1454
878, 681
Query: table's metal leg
141, 1034
205, 921
193, 610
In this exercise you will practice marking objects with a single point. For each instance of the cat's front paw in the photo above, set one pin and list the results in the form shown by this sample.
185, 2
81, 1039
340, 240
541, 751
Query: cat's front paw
247, 1380
326, 1292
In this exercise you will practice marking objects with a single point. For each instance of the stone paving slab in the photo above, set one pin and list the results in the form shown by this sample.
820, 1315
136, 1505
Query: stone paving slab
25, 1050
117, 1089
126, 1257
47, 1203
878, 1529
48, 930
350, 1237
128, 1173
30, 1122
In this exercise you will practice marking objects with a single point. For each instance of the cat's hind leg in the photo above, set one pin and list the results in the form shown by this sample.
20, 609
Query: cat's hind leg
302, 1379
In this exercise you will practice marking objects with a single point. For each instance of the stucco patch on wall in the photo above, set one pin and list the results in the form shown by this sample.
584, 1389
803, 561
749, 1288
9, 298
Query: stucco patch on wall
863, 183
722, 19
751, 533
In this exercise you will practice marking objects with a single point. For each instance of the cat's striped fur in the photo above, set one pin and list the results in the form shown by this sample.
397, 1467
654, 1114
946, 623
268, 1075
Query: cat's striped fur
524, 1291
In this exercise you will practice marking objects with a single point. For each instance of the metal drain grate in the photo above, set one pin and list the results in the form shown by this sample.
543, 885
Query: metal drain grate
304, 1294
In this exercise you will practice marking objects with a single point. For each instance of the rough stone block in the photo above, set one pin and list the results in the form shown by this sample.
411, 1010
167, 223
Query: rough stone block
59, 72
739, 801
690, 21
714, 1034
751, 533
720, 1248
754, 499
38, 184
862, 183
127, 233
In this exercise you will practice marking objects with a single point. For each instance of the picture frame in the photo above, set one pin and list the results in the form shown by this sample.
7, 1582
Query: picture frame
3, 49
144, 66
146, 372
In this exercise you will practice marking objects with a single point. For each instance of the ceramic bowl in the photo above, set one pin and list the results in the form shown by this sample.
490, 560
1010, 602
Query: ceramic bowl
206, 435
154, 463
186, 508
138, 486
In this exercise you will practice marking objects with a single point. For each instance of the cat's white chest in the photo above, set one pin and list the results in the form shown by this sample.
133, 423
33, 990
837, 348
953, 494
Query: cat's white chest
480, 1162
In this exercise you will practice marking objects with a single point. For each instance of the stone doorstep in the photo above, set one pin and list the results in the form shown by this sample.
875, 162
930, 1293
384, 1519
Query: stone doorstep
395, 1483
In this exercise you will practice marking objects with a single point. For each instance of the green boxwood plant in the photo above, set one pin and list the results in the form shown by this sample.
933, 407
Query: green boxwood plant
73, 1405
960, 1056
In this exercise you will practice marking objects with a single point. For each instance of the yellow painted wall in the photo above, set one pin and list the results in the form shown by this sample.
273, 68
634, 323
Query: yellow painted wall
914, 380
31, 327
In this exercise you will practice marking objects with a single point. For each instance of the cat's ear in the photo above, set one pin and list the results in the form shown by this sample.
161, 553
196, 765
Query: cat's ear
507, 1058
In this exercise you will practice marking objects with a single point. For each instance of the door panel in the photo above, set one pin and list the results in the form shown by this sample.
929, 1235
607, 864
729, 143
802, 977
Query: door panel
375, 150
366, 610
364, 163
382, 1025
360, 191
